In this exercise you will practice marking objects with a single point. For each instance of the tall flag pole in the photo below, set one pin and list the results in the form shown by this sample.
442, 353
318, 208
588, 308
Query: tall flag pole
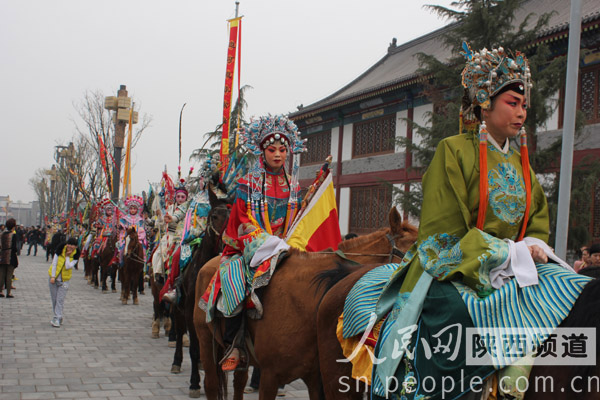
127, 174
234, 31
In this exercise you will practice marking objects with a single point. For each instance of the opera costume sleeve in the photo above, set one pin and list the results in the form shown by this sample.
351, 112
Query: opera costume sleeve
241, 229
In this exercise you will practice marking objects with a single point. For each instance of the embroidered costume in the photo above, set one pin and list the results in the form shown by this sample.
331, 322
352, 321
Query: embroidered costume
128, 220
265, 205
470, 267
106, 225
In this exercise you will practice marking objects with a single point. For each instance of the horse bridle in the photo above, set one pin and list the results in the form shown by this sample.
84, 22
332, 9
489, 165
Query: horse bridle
132, 255
394, 252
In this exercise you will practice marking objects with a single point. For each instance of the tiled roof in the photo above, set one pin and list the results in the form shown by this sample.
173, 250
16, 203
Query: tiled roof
399, 66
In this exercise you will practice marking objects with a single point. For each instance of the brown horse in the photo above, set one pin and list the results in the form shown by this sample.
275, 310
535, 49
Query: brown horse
107, 267
184, 312
561, 382
336, 376
285, 339
133, 265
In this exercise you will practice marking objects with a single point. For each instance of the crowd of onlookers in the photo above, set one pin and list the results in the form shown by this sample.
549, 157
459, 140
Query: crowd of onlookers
14, 239
588, 259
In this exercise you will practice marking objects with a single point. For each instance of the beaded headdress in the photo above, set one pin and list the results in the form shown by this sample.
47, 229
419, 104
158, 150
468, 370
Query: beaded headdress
134, 201
486, 74
488, 71
264, 131
105, 203
256, 137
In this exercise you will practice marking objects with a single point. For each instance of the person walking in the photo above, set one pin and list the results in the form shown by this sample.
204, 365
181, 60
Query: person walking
8, 257
33, 238
65, 258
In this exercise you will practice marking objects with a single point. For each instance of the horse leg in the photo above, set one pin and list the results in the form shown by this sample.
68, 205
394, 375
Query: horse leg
267, 390
113, 272
180, 330
125, 288
240, 378
135, 280
188, 302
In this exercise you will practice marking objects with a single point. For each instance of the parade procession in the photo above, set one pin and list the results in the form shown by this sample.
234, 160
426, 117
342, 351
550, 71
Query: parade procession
428, 228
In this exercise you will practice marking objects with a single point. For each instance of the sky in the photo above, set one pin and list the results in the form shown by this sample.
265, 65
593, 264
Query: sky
169, 53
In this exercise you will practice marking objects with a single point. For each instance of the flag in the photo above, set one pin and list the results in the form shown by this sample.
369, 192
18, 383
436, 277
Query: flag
318, 227
234, 25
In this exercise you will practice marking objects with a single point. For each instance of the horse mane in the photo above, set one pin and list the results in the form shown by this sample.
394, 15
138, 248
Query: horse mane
361, 240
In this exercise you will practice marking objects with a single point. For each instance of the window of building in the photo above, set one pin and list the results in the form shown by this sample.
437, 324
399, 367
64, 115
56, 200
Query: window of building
376, 136
318, 148
369, 208
589, 95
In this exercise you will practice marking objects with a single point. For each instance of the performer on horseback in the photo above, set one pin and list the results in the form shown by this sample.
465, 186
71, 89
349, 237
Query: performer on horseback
133, 217
481, 258
194, 225
172, 226
261, 215
106, 225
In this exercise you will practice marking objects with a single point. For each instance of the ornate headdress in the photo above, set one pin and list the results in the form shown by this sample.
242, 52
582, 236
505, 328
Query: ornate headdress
105, 203
486, 75
264, 131
181, 186
489, 71
257, 136
134, 201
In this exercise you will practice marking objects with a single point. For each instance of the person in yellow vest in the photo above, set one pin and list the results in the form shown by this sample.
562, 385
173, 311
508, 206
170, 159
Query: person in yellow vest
65, 258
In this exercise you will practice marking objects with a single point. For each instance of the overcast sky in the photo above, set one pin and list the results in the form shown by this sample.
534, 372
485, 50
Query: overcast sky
173, 52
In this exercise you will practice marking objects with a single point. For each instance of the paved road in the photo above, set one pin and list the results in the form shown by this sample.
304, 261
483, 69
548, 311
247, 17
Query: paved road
103, 350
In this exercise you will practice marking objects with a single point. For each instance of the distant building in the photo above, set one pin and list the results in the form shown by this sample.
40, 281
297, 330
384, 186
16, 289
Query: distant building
357, 124
26, 214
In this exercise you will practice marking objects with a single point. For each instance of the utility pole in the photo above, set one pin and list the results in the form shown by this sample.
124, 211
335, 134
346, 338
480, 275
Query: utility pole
120, 105
566, 161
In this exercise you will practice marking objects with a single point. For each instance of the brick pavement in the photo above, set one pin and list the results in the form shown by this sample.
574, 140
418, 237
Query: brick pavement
103, 350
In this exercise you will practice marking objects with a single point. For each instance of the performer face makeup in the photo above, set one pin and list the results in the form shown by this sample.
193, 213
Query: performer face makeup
507, 116
275, 156
180, 197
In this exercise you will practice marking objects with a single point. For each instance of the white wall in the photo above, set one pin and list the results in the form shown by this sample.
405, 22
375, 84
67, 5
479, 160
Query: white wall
344, 210
552, 122
401, 128
420, 118
335, 139
347, 145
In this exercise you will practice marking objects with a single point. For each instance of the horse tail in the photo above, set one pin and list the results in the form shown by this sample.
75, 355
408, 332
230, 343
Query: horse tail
221, 375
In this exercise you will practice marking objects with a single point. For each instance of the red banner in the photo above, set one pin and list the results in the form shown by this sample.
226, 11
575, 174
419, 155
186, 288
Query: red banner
234, 25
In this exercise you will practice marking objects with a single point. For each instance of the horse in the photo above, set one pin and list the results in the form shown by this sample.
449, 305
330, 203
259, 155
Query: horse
568, 381
210, 247
160, 312
107, 267
292, 353
133, 265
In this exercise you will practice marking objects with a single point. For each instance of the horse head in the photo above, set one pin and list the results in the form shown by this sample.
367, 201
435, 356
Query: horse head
389, 243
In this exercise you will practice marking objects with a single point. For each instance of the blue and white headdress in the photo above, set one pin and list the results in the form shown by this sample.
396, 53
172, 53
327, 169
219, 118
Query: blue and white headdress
264, 131
487, 72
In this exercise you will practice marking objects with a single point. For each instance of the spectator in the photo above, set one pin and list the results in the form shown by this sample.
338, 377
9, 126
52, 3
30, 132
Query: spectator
20, 235
594, 251
63, 261
33, 238
8, 257
58, 238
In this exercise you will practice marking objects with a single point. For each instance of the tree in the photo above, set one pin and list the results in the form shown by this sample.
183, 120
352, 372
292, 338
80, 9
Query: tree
489, 24
213, 139
95, 144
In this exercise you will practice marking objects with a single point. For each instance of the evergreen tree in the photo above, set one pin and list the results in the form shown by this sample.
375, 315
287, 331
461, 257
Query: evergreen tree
489, 24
